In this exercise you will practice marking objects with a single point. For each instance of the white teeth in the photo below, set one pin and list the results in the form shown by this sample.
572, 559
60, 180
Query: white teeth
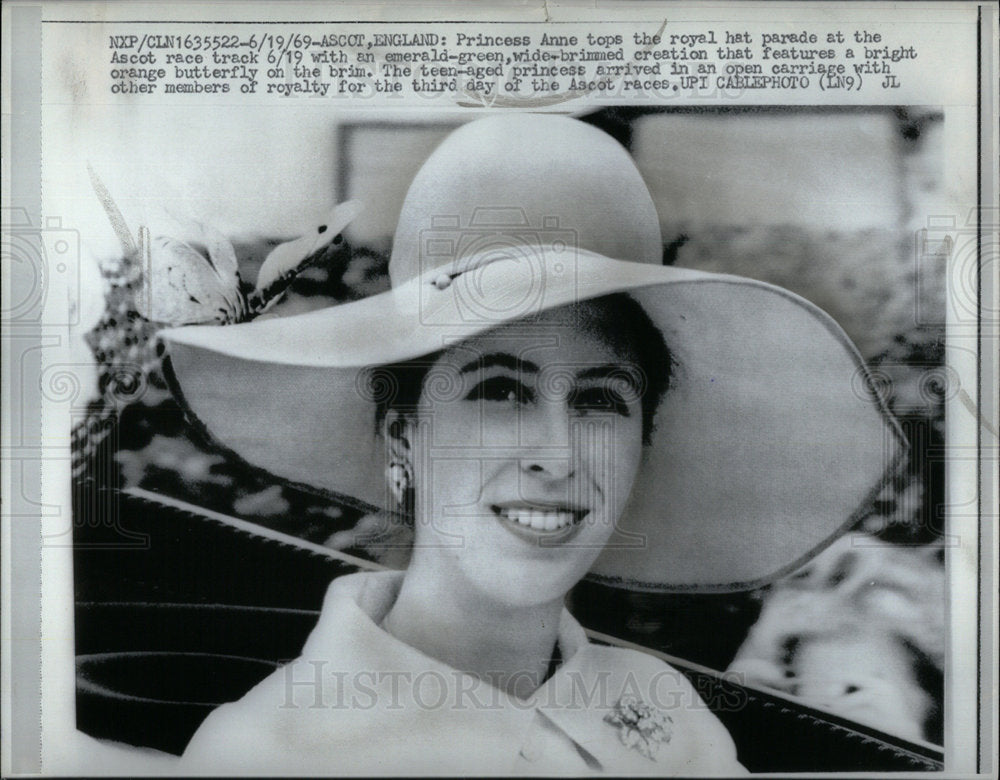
538, 519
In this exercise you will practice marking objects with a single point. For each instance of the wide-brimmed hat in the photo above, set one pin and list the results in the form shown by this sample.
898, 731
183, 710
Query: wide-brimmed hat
769, 442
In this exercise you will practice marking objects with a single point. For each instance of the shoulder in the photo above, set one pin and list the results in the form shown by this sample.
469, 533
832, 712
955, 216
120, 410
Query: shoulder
286, 719
657, 679
297, 718
241, 733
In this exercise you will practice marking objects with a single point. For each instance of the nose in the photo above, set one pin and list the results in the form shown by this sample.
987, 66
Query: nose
551, 468
546, 439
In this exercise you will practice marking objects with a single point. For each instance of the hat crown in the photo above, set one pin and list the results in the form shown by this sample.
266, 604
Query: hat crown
505, 184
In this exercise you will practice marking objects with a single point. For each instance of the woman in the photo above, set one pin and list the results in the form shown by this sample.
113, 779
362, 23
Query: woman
542, 400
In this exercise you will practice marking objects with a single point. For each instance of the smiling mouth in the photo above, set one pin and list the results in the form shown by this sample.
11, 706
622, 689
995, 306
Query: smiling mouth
541, 519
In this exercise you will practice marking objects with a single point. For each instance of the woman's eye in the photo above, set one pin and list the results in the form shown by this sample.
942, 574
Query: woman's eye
600, 399
501, 389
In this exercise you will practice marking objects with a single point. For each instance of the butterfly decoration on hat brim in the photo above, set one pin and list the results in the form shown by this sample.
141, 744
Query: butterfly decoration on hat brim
162, 281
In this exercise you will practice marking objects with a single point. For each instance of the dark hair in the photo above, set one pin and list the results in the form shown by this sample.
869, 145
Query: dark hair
618, 319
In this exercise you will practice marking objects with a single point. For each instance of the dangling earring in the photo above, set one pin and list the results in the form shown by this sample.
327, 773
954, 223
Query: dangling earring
399, 478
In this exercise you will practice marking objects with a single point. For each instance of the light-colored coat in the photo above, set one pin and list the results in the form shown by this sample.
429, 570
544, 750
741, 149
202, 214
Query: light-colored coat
359, 701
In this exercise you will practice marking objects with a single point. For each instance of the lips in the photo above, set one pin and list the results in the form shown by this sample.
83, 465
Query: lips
539, 521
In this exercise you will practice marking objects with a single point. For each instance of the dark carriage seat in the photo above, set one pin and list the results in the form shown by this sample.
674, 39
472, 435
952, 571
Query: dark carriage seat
180, 609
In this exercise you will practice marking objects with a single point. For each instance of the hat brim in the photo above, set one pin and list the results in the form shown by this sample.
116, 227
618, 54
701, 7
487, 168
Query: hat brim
767, 445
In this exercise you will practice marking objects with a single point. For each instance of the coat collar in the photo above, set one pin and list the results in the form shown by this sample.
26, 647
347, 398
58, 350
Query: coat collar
354, 608
575, 699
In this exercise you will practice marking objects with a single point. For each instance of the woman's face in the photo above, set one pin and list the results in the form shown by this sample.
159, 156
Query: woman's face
524, 450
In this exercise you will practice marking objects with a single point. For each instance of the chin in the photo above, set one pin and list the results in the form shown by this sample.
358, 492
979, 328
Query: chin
526, 588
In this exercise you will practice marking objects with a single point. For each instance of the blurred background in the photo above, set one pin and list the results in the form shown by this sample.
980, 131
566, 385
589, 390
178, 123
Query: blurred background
830, 203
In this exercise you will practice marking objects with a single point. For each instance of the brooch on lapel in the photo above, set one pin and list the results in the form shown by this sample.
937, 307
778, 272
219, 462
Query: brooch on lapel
641, 726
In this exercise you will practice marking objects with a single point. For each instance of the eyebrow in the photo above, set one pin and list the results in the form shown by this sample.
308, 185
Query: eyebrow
502, 359
609, 370
505, 360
